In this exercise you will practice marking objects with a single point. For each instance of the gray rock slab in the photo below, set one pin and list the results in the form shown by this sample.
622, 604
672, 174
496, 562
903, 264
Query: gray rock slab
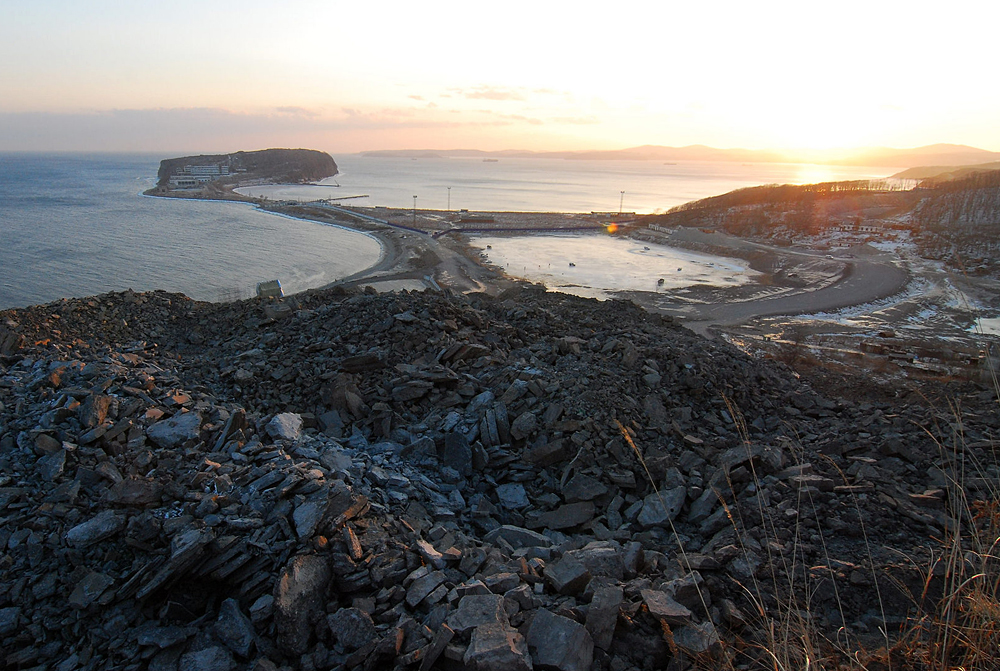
557, 642
353, 628
10, 617
512, 496
583, 488
697, 638
457, 453
567, 516
519, 537
89, 589
495, 647
663, 607
601, 558
234, 629
175, 431
475, 610
298, 600
423, 586
285, 426
215, 658
661, 509
100, 527
602, 615
568, 575
523, 426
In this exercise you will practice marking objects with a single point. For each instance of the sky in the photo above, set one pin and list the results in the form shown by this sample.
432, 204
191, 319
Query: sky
132, 75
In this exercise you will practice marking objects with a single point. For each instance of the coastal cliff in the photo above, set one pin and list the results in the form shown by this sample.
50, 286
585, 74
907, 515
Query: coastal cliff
224, 172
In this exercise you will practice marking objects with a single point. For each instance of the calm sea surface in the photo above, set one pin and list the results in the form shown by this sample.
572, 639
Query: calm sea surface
549, 185
76, 224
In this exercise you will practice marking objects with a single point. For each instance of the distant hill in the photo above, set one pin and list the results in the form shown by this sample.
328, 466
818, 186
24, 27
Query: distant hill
931, 155
945, 172
937, 155
273, 165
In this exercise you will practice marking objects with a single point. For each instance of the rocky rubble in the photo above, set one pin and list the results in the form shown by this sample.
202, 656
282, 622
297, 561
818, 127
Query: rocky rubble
424, 481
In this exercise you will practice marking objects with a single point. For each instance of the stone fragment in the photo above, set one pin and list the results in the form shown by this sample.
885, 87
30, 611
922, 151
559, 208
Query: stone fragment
602, 615
663, 607
309, 515
285, 426
557, 642
352, 628
423, 586
89, 589
441, 640
457, 453
583, 488
697, 638
568, 575
602, 558
136, 492
567, 516
475, 610
234, 629
523, 426
52, 466
429, 554
10, 617
518, 537
512, 496
495, 647
186, 549
175, 431
661, 509
215, 658
298, 600
820, 482
150, 634
547, 454
100, 527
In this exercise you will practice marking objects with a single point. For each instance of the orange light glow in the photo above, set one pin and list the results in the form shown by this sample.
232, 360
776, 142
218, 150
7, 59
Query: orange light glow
612, 228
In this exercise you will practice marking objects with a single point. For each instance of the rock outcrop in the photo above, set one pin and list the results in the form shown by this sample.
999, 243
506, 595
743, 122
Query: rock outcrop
357, 486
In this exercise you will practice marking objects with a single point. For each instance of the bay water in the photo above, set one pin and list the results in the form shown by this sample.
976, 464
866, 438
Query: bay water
78, 224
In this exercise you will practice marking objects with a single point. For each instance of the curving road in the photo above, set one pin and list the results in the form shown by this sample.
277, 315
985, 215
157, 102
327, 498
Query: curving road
863, 281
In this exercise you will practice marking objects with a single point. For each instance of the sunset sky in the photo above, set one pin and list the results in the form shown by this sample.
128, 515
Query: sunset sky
353, 76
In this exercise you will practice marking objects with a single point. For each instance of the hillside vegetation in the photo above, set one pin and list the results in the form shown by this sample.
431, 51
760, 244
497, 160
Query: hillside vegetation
275, 165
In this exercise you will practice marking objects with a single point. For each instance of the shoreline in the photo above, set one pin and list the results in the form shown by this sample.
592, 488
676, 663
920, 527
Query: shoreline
798, 291
415, 251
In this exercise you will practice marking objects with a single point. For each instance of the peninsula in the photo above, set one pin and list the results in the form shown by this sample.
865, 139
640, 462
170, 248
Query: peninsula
215, 176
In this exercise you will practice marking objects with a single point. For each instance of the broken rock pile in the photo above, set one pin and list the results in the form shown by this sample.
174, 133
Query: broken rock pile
437, 481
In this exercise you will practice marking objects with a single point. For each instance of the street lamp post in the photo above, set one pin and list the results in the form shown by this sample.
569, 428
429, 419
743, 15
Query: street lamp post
621, 203
449, 199
414, 210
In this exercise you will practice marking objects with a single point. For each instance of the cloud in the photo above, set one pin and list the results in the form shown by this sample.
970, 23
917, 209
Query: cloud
219, 130
577, 120
493, 93
413, 97
296, 111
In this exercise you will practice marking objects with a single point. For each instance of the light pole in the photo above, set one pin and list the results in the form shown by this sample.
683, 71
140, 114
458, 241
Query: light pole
449, 199
414, 210
621, 203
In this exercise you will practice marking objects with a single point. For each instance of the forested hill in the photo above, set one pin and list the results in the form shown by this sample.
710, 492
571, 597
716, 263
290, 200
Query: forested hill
969, 201
274, 165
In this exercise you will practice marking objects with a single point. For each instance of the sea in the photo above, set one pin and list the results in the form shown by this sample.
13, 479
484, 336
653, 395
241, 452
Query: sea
77, 224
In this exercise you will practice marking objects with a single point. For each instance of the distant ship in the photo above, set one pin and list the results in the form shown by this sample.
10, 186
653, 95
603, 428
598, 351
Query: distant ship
491, 160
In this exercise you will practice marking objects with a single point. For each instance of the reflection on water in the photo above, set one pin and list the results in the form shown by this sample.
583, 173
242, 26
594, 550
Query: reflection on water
547, 184
593, 265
